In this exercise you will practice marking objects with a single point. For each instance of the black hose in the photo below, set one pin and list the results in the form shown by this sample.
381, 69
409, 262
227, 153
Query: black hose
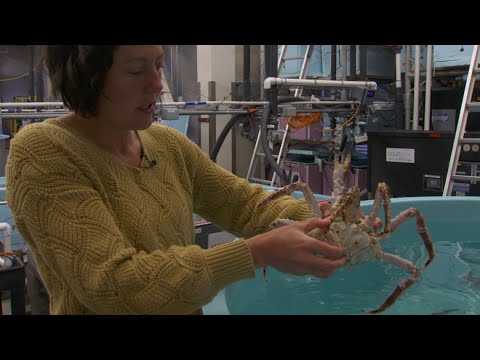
264, 139
266, 148
233, 120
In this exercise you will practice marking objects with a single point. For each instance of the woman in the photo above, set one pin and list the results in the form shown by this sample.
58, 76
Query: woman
104, 198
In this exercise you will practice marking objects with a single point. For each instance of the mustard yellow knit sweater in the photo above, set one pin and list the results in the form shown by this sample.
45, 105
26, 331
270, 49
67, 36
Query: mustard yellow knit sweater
108, 238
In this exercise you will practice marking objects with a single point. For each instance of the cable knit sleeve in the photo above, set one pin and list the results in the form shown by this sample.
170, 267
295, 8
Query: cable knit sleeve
231, 202
87, 262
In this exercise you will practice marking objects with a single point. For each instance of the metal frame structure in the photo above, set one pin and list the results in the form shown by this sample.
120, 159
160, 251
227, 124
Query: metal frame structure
467, 106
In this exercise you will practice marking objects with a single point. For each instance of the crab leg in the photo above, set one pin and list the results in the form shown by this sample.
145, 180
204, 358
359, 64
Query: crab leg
287, 190
405, 264
339, 172
382, 193
421, 229
403, 285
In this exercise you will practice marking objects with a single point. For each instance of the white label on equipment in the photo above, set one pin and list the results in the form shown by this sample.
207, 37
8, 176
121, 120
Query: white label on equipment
400, 155
361, 138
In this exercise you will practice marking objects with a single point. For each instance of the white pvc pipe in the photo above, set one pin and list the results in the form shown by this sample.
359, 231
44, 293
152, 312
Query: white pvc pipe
408, 88
31, 104
398, 68
369, 85
344, 70
33, 116
262, 69
184, 103
416, 88
322, 102
190, 103
7, 230
181, 112
428, 89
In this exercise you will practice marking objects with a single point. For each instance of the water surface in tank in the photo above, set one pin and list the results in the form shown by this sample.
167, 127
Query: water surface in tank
450, 285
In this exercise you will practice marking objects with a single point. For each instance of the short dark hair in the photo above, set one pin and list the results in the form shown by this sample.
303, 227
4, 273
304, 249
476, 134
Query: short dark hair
77, 74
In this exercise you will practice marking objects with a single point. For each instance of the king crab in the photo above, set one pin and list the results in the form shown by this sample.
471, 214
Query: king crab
351, 229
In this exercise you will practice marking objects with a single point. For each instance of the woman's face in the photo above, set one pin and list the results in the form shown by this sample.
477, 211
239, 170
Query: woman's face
132, 87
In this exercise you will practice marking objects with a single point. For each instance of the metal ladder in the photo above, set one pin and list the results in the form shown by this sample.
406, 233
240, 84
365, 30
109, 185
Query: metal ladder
166, 95
467, 106
258, 150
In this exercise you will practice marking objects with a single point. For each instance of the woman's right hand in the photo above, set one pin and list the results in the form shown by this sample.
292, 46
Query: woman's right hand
289, 249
